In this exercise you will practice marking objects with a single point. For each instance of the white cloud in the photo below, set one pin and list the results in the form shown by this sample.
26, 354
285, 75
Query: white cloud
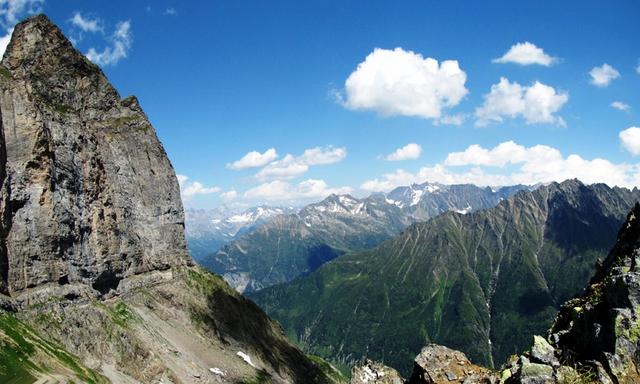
121, 44
630, 139
408, 152
279, 190
287, 168
526, 54
191, 188
399, 82
170, 11
86, 24
4, 42
603, 75
11, 11
509, 163
323, 156
290, 166
537, 103
503, 153
638, 69
620, 106
229, 195
254, 159
457, 119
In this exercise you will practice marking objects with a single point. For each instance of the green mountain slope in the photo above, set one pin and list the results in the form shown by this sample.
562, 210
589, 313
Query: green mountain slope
483, 283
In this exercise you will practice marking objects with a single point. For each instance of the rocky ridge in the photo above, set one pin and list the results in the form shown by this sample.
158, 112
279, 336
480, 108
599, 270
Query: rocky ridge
96, 282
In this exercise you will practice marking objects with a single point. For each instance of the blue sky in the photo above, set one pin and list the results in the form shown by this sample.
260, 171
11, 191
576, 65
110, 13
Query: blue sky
220, 79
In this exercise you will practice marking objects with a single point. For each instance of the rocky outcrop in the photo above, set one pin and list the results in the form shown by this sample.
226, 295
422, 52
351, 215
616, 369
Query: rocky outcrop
435, 364
439, 365
89, 197
372, 372
96, 282
598, 333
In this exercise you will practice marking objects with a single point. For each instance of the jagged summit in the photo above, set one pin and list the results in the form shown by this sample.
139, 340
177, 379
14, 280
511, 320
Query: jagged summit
35, 38
40, 54
89, 197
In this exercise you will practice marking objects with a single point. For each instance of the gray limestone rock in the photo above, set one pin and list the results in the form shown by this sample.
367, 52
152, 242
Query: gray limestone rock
437, 364
375, 373
88, 196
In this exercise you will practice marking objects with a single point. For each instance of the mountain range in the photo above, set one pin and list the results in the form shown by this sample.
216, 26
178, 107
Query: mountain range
594, 339
207, 230
293, 245
483, 282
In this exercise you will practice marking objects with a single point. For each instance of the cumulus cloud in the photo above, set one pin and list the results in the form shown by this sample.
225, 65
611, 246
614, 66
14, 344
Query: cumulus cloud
399, 82
408, 152
526, 54
323, 155
510, 163
503, 153
4, 42
620, 106
290, 166
189, 189
229, 195
603, 75
630, 140
287, 168
254, 159
537, 103
11, 11
85, 23
279, 190
457, 119
170, 11
120, 45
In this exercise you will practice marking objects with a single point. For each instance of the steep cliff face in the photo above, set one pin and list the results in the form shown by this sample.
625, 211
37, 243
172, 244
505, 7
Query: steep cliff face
96, 282
89, 196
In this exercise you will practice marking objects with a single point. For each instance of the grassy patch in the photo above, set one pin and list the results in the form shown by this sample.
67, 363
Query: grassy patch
120, 313
123, 120
335, 374
5, 73
21, 343
261, 378
61, 109
204, 281
144, 128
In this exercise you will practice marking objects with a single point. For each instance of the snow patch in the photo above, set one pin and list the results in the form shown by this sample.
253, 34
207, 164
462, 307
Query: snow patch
246, 358
415, 198
432, 188
217, 371
465, 210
